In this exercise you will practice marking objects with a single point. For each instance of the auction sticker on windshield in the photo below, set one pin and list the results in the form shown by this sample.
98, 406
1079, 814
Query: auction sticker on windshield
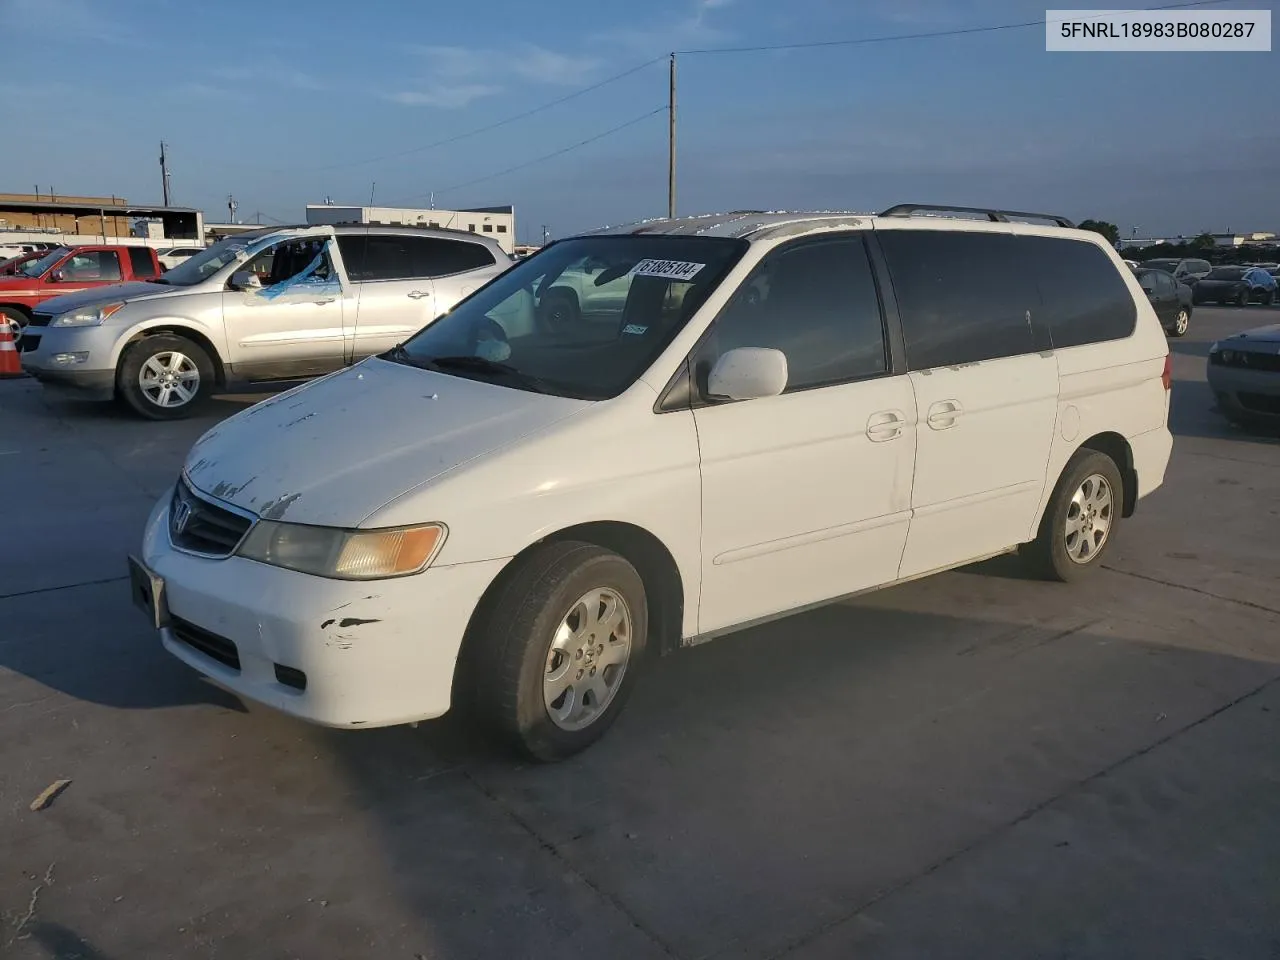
671, 269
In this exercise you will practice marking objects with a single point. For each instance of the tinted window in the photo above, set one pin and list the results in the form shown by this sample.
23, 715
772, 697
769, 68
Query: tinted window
1226, 273
1166, 265
816, 303
963, 297
1084, 299
141, 262
436, 257
92, 265
375, 257
1164, 283
1149, 279
1198, 266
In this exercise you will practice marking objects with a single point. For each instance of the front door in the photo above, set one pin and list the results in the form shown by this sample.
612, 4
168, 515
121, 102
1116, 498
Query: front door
805, 496
986, 387
290, 325
83, 270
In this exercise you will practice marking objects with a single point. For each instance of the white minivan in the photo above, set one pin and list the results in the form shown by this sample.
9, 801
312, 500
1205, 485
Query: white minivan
514, 506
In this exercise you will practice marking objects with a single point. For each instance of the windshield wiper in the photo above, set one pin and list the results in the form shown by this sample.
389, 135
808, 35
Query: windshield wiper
474, 364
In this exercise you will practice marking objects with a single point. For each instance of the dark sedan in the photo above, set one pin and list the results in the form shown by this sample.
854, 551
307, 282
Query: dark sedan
1244, 372
1170, 300
1237, 285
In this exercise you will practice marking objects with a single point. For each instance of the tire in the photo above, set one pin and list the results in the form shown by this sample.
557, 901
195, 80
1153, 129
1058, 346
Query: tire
1268, 298
527, 646
157, 358
559, 311
1055, 554
1242, 298
15, 319
1181, 323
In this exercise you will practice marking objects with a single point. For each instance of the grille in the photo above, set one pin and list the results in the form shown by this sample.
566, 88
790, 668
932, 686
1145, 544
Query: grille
210, 644
1260, 402
1246, 360
197, 525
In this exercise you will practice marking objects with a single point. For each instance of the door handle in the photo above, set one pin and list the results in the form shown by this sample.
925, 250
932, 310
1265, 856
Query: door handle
885, 425
321, 303
944, 414
416, 294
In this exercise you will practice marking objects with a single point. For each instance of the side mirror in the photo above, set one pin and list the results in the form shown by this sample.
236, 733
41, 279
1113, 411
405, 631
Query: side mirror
57, 276
749, 373
246, 280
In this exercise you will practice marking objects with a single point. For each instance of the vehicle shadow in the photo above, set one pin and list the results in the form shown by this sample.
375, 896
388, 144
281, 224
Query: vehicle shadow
62, 943
724, 805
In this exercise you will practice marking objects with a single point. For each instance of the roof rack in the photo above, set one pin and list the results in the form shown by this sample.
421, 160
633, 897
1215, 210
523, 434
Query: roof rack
997, 216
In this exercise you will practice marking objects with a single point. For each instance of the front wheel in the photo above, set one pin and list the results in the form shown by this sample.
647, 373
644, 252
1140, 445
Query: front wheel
1242, 298
165, 377
1181, 323
1081, 519
553, 659
1268, 298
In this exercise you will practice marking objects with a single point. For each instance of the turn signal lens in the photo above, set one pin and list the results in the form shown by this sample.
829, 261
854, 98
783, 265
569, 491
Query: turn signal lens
1167, 376
387, 553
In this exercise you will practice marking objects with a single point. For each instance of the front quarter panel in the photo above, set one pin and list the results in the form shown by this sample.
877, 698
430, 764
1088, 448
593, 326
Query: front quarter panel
617, 462
200, 311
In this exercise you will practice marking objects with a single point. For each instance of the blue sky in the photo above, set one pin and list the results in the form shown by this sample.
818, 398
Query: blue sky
282, 104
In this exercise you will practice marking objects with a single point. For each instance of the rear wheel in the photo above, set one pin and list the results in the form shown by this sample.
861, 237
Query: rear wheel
1181, 323
1080, 520
1242, 298
15, 319
165, 377
553, 659
1268, 298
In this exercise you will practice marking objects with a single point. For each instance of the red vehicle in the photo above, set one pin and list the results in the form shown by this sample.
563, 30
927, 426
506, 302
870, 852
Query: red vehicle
70, 270
9, 268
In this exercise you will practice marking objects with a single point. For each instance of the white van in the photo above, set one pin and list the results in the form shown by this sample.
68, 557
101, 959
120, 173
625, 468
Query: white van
510, 509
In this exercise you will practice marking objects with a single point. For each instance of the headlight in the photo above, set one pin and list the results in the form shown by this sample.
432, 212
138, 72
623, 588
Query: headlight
86, 316
344, 554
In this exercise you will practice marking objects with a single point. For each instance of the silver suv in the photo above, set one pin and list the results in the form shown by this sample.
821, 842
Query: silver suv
275, 304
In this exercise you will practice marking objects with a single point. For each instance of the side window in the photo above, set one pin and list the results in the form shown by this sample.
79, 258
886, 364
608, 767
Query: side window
437, 257
963, 296
141, 262
377, 257
817, 303
1149, 280
1083, 296
1165, 284
92, 265
304, 259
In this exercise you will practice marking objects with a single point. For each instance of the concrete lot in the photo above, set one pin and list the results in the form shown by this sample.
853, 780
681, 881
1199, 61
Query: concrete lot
974, 765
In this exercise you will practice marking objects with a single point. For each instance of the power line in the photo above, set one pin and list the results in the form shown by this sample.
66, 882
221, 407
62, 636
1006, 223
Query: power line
496, 124
959, 32
529, 163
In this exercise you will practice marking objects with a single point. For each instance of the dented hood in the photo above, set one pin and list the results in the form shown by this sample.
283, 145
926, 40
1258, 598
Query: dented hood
335, 450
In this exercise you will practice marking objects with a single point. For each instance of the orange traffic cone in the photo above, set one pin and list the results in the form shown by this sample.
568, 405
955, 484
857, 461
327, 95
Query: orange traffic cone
10, 365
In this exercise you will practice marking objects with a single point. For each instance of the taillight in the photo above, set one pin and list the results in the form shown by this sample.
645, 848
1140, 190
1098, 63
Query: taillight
1167, 377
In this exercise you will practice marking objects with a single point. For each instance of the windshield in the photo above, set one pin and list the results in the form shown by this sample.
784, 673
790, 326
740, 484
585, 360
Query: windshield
196, 269
1168, 266
1226, 273
34, 268
583, 318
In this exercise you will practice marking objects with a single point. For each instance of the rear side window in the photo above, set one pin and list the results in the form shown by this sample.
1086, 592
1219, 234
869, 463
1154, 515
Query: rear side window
1084, 299
143, 266
963, 297
377, 257
437, 257
817, 303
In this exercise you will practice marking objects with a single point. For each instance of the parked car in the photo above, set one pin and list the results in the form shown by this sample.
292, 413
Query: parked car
1170, 300
1186, 270
1236, 285
514, 513
173, 256
67, 270
275, 304
1244, 372
11, 266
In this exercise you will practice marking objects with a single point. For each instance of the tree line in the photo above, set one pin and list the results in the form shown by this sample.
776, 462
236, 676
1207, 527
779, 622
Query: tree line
1201, 246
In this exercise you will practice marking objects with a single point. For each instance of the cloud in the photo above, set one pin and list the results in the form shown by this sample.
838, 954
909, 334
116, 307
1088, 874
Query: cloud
691, 30
454, 77
444, 96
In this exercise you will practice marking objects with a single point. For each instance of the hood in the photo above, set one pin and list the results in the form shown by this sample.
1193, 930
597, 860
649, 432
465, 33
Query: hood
135, 290
333, 451
1268, 334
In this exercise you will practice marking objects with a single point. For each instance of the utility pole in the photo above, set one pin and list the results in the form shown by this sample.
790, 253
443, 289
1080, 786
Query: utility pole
546, 234
671, 143
231, 208
164, 171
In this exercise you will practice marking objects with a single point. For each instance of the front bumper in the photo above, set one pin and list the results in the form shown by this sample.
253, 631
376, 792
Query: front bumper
1246, 393
374, 653
91, 377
